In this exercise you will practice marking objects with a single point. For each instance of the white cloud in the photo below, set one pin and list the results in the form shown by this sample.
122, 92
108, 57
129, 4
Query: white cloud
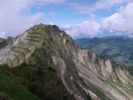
13, 14
50, 1
121, 21
88, 28
14, 17
99, 5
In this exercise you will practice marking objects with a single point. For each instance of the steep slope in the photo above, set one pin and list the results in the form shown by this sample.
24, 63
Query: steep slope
117, 48
3, 42
51, 66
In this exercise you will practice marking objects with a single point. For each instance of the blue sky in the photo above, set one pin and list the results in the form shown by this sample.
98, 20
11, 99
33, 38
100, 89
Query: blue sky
65, 13
79, 18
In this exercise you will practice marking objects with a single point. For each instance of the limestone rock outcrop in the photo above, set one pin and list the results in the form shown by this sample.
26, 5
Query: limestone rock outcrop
83, 74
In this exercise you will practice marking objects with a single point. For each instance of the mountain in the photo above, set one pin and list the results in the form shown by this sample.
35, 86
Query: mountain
44, 63
3, 42
119, 49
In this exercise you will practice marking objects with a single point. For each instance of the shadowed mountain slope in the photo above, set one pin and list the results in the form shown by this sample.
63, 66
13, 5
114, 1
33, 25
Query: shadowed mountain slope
117, 48
50, 66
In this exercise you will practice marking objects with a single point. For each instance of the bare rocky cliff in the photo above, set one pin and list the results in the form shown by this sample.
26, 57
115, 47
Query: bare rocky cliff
83, 75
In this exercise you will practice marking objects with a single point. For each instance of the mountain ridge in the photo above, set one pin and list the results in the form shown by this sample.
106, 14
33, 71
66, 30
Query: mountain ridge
82, 73
118, 49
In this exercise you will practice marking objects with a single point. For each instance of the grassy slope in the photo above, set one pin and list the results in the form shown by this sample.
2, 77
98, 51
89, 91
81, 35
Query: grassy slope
10, 89
33, 81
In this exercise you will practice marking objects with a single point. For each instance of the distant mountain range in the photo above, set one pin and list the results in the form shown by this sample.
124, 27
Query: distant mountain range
119, 49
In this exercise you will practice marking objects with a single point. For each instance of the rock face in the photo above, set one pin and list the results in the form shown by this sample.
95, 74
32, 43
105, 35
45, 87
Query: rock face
83, 75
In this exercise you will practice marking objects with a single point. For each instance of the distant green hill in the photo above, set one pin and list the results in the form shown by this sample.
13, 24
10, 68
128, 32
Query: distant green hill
119, 49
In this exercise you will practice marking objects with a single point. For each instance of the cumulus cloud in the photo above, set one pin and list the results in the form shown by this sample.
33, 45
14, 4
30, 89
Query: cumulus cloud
49, 1
14, 18
87, 28
121, 21
97, 6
